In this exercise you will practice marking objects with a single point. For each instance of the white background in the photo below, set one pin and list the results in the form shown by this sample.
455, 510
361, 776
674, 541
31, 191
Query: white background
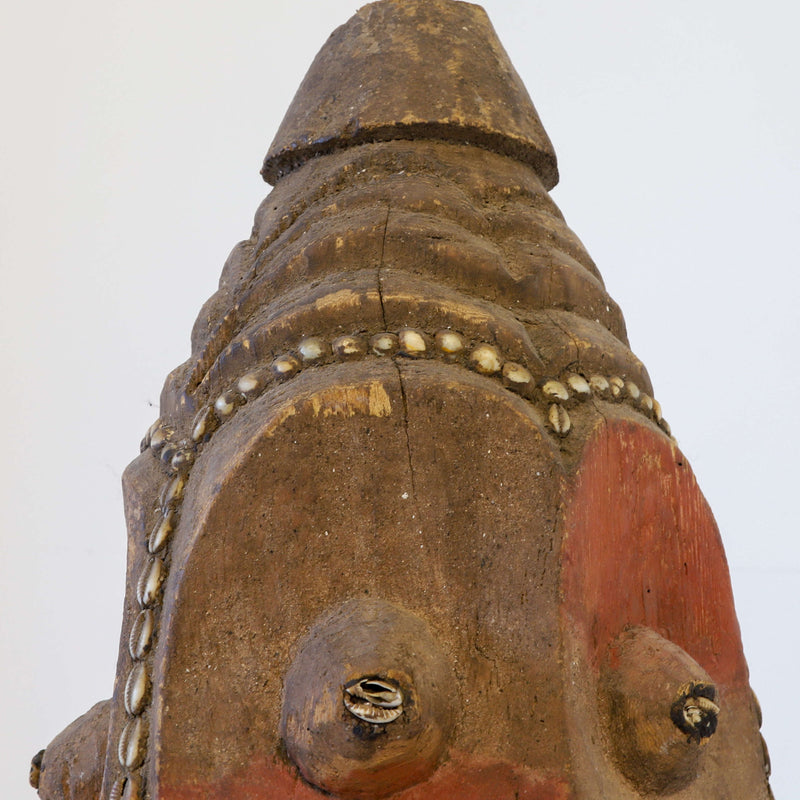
132, 135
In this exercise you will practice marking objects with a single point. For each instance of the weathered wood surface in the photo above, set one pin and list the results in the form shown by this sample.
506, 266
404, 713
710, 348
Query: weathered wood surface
411, 522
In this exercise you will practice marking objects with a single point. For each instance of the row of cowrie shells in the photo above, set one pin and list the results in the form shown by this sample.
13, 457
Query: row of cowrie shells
132, 744
575, 387
482, 357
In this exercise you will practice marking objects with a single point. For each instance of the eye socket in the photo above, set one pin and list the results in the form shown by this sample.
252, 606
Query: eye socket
659, 707
369, 701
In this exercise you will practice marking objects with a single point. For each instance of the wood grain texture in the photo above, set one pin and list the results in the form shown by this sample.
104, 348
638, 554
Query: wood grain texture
500, 529
642, 548
647, 607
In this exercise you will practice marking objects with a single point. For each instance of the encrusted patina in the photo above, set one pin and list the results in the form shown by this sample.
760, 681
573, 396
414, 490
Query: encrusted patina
411, 522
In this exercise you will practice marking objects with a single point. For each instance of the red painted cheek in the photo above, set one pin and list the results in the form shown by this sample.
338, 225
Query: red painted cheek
258, 781
461, 778
470, 778
642, 548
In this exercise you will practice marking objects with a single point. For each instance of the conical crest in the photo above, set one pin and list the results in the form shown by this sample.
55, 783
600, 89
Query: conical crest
420, 69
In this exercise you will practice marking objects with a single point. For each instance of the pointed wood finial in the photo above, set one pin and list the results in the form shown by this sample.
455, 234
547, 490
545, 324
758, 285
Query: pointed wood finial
412, 69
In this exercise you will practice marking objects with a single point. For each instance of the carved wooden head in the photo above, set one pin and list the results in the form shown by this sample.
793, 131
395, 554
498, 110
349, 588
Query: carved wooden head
411, 523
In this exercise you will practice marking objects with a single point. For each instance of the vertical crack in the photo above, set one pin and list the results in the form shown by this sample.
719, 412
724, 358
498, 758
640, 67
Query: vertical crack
567, 334
380, 264
408, 439
396, 365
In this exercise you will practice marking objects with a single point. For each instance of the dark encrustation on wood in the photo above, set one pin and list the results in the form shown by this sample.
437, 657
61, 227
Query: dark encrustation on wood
411, 522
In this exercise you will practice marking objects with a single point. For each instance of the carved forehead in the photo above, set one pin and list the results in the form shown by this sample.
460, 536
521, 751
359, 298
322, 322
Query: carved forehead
357, 488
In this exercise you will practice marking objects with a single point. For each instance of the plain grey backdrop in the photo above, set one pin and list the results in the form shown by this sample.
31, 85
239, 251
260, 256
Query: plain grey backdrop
132, 136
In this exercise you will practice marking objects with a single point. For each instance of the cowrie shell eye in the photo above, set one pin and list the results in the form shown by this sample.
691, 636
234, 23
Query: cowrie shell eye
374, 700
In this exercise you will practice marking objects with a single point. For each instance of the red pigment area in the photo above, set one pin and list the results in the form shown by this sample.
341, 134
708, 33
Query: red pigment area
470, 778
461, 778
641, 548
